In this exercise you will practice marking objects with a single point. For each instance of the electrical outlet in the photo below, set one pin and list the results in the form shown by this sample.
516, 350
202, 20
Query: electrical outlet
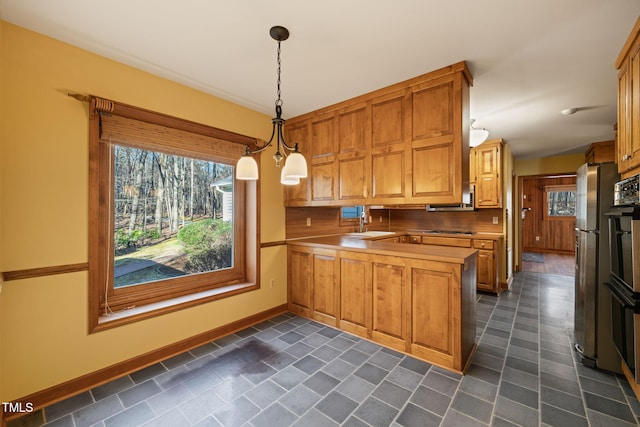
537, 238
272, 283
495, 219
308, 222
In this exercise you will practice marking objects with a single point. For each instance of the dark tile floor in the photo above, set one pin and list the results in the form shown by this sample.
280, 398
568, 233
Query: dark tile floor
292, 371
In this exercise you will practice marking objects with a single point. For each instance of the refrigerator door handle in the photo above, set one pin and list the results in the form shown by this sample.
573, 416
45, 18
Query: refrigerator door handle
587, 231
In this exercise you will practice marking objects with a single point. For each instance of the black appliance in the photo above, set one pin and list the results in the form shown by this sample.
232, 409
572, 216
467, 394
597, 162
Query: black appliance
624, 284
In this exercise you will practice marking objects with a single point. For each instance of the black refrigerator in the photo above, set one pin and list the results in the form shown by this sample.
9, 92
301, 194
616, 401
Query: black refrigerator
592, 325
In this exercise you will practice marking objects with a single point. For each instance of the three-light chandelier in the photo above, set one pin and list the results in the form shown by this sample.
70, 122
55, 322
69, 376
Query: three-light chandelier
295, 166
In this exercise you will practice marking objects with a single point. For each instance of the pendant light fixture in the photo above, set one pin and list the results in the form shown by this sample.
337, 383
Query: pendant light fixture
295, 166
477, 135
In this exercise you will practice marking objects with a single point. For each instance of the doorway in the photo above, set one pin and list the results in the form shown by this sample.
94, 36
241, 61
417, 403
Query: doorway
547, 223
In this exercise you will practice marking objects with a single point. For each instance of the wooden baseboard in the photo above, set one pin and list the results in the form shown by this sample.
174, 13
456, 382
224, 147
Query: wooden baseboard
57, 393
627, 373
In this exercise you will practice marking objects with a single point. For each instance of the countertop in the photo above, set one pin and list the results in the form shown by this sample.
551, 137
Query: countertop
360, 242
470, 235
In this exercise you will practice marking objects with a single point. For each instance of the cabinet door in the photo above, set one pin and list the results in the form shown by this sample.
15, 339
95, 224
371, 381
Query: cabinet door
300, 278
623, 148
634, 116
628, 139
472, 165
355, 293
354, 157
323, 157
435, 301
488, 176
326, 293
434, 126
390, 302
388, 166
300, 133
486, 271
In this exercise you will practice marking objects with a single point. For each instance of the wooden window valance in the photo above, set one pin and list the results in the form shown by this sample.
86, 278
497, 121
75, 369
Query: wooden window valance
102, 105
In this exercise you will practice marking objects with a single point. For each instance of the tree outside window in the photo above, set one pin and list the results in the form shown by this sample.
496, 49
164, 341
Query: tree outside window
560, 201
168, 216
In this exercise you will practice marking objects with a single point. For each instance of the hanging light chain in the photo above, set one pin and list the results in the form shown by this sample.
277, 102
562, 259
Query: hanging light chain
279, 101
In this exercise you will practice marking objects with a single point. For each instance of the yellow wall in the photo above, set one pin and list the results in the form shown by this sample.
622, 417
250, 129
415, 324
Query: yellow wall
548, 165
44, 221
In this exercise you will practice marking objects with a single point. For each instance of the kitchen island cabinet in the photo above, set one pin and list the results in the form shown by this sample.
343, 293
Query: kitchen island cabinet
418, 299
300, 269
487, 245
326, 274
390, 279
355, 293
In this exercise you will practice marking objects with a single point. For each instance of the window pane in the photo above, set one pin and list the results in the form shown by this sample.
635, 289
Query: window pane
172, 216
352, 212
561, 203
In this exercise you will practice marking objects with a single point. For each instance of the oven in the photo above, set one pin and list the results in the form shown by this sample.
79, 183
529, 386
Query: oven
624, 246
624, 284
625, 324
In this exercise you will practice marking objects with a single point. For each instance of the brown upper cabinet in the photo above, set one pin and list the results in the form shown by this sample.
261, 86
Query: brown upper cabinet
404, 144
601, 152
486, 173
628, 138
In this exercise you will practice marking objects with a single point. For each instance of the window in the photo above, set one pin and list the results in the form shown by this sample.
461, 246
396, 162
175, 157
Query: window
560, 201
352, 212
170, 226
350, 215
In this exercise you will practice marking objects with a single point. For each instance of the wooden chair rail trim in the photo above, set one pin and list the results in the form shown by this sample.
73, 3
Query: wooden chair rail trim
73, 268
44, 271
86, 382
271, 244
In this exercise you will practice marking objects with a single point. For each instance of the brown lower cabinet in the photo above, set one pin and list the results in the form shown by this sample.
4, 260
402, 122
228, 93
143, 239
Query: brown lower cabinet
415, 306
487, 264
487, 270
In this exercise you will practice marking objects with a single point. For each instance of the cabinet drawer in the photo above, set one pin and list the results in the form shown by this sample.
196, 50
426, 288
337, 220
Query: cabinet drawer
483, 244
446, 241
414, 239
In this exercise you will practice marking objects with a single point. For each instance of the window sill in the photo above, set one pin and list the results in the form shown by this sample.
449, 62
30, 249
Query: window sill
134, 314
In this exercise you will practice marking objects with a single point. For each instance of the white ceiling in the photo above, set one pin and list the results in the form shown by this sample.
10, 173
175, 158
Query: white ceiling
529, 59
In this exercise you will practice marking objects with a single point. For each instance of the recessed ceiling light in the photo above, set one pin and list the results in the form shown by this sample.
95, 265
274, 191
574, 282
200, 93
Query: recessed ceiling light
569, 111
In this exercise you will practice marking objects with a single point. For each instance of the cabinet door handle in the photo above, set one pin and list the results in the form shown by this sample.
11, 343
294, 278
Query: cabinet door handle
626, 157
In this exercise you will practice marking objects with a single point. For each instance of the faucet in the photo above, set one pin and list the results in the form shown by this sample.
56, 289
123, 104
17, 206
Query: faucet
363, 221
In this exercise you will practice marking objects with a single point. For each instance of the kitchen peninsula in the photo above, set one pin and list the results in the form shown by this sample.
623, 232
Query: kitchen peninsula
418, 299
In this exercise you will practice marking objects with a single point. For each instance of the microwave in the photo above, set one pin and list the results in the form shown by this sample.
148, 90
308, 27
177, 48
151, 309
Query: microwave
627, 191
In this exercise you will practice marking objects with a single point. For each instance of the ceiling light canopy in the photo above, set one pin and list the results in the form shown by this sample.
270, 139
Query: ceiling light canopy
477, 135
295, 166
